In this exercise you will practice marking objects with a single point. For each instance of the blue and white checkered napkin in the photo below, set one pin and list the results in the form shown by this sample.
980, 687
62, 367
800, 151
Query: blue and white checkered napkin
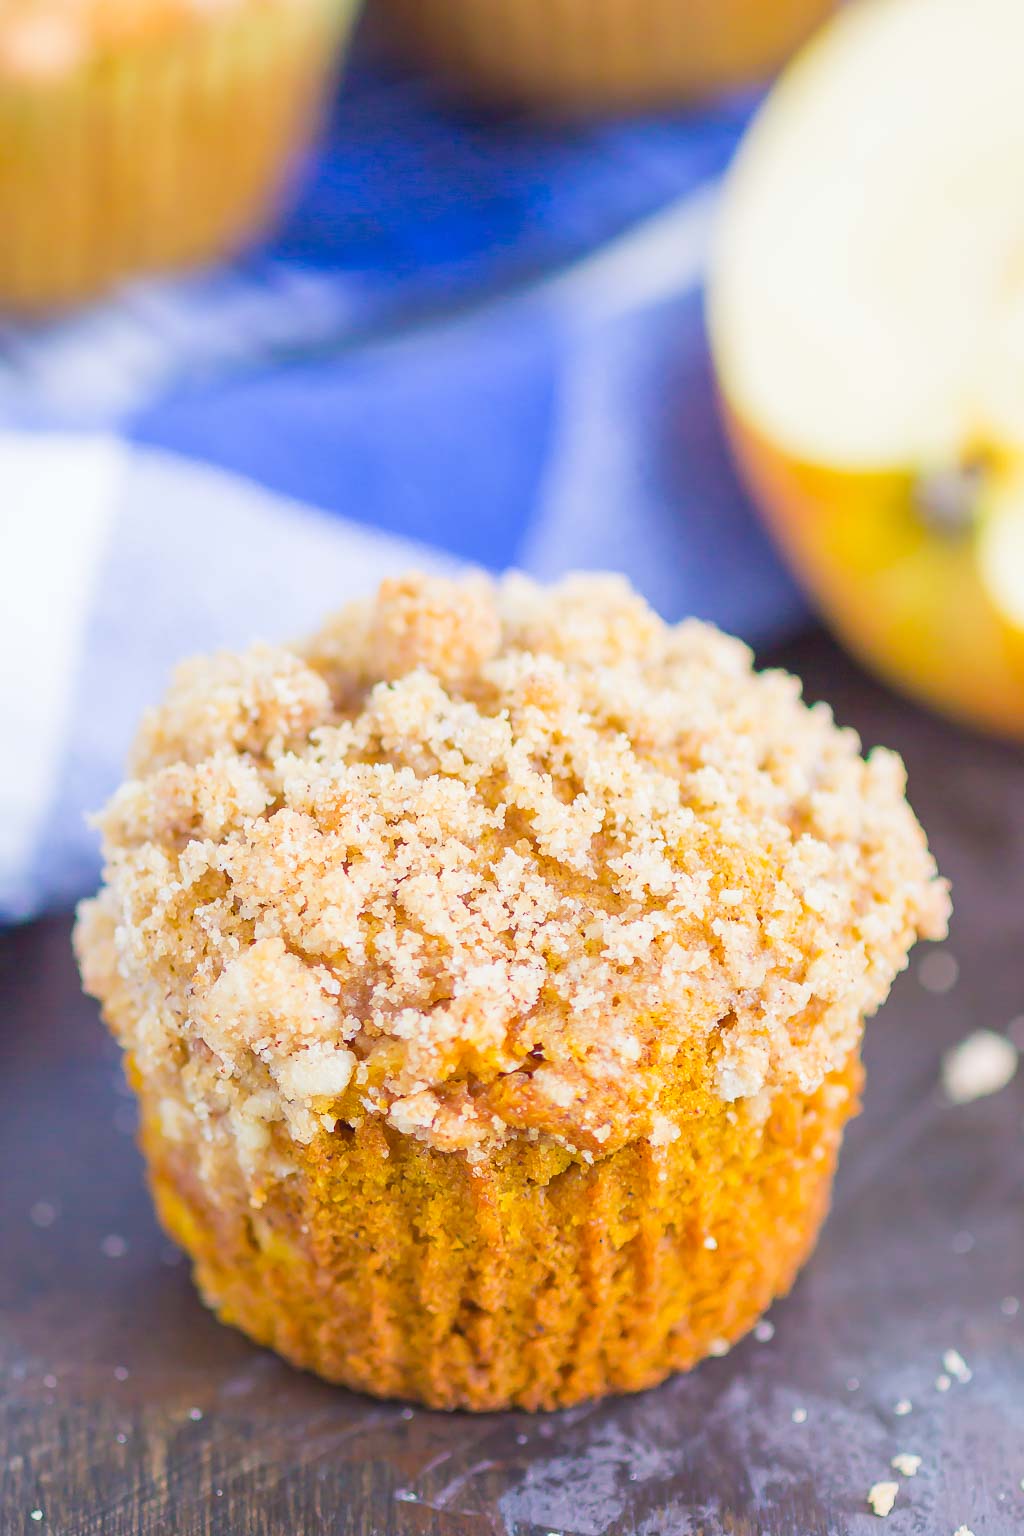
476, 340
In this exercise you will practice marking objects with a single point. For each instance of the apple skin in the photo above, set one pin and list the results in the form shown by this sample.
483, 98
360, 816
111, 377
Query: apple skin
904, 598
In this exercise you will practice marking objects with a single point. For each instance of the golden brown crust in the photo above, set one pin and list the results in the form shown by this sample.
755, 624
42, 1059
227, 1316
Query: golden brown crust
488, 862
533, 1280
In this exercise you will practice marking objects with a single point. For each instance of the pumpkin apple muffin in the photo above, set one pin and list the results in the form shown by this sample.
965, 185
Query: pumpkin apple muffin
139, 135
491, 969
592, 55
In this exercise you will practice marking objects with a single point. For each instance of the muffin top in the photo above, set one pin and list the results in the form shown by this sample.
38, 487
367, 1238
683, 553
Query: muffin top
47, 39
493, 860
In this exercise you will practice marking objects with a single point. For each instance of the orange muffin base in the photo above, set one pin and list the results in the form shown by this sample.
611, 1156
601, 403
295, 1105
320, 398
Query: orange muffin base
532, 1279
601, 53
163, 153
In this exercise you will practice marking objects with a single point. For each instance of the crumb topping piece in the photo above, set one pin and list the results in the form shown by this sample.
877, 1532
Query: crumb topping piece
882, 1497
980, 1065
489, 860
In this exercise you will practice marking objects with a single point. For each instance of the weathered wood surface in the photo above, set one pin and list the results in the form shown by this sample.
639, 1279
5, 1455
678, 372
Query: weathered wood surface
126, 1410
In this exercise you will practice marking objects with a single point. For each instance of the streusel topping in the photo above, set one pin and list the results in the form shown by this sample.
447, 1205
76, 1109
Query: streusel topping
487, 860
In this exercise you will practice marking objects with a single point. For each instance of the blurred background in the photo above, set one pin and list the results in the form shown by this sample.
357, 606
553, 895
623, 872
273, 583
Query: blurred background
457, 319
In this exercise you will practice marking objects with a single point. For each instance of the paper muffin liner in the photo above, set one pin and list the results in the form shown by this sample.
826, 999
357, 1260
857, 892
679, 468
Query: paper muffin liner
594, 53
160, 154
531, 1279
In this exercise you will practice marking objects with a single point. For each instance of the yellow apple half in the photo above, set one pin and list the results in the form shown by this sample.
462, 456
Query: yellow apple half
866, 310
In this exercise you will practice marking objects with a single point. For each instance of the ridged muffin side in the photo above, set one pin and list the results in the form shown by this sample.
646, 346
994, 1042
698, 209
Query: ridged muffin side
532, 1280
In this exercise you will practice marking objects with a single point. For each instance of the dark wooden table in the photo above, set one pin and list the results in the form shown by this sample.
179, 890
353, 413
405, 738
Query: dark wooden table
126, 1410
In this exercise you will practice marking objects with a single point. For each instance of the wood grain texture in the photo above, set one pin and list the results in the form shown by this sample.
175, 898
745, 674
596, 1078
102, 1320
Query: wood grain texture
125, 1410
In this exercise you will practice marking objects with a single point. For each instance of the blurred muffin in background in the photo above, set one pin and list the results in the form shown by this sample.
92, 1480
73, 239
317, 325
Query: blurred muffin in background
582, 54
142, 134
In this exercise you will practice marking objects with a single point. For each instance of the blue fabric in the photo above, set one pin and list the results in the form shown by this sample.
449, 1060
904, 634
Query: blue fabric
475, 339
